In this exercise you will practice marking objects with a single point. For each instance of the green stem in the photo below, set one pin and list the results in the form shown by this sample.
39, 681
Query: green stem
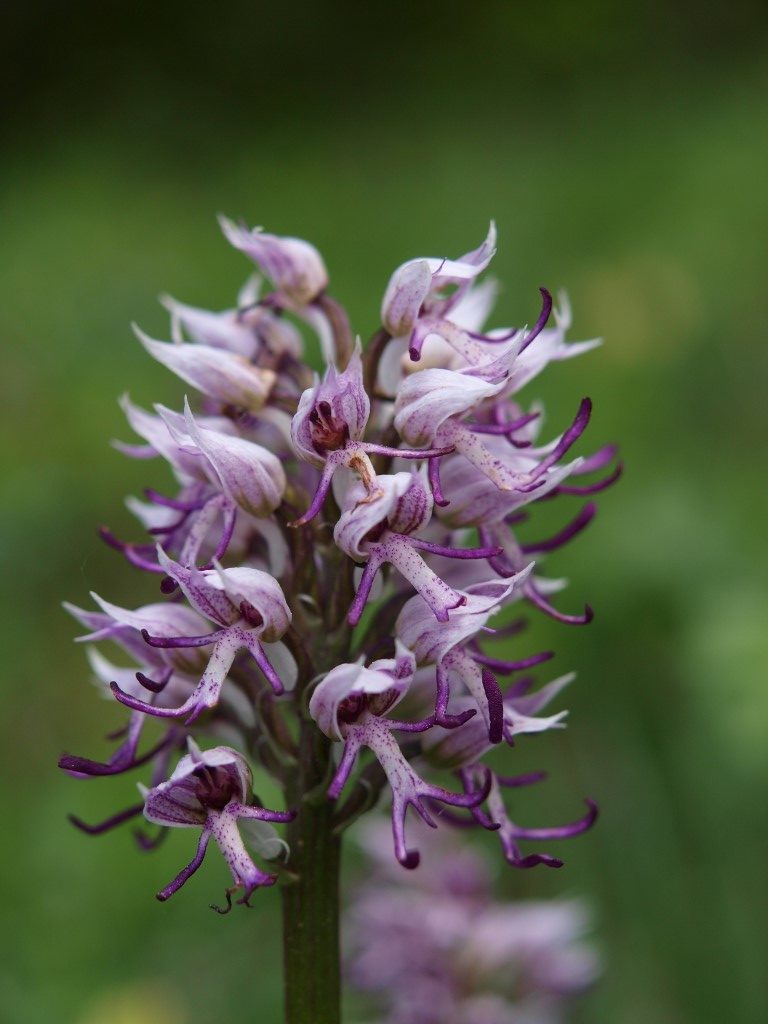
311, 957
311, 903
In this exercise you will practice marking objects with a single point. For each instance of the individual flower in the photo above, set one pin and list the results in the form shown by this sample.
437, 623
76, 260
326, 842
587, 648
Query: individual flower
246, 604
350, 705
449, 646
509, 832
477, 502
252, 330
431, 407
381, 530
328, 428
415, 288
211, 790
226, 377
168, 688
240, 474
160, 441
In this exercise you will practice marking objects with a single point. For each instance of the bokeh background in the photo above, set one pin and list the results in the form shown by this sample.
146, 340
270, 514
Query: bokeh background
622, 150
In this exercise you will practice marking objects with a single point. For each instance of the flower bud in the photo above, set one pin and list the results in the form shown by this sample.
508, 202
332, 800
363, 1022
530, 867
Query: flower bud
221, 375
249, 474
407, 289
295, 267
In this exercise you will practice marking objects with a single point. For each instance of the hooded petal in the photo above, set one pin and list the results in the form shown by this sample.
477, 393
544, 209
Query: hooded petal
161, 441
381, 686
408, 287
249, 474
226, 330
229, 595
332, 412
162, 619
224, 376
360, 516
428, 398
202, 781
431, 640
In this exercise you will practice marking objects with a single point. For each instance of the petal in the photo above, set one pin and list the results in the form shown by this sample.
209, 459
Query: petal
216, 373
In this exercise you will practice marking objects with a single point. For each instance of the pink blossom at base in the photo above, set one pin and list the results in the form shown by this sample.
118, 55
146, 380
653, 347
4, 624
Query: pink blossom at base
435, 947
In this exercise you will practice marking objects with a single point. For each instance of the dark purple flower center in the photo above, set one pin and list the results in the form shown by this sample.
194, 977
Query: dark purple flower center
251, 615
327, 432
350, 709
214, 787
375, 532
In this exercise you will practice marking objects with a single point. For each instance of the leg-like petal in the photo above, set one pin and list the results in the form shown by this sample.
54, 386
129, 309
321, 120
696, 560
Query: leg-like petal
538, 599
206, 693
254, 647
187, 872
323, 486
439, 596
347, 763
376, 559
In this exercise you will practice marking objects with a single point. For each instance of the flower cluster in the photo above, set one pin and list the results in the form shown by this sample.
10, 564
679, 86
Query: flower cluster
336, 546
436, 948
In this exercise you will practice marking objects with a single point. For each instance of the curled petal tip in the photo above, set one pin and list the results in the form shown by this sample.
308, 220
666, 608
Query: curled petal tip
482, 794
593, 814
446, 721
411, 860
533, 860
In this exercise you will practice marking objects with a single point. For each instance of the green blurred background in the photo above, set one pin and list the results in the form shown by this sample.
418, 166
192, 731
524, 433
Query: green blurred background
622, 150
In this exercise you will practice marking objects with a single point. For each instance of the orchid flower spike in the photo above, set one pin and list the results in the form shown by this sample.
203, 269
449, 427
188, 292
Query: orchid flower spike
333, 547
